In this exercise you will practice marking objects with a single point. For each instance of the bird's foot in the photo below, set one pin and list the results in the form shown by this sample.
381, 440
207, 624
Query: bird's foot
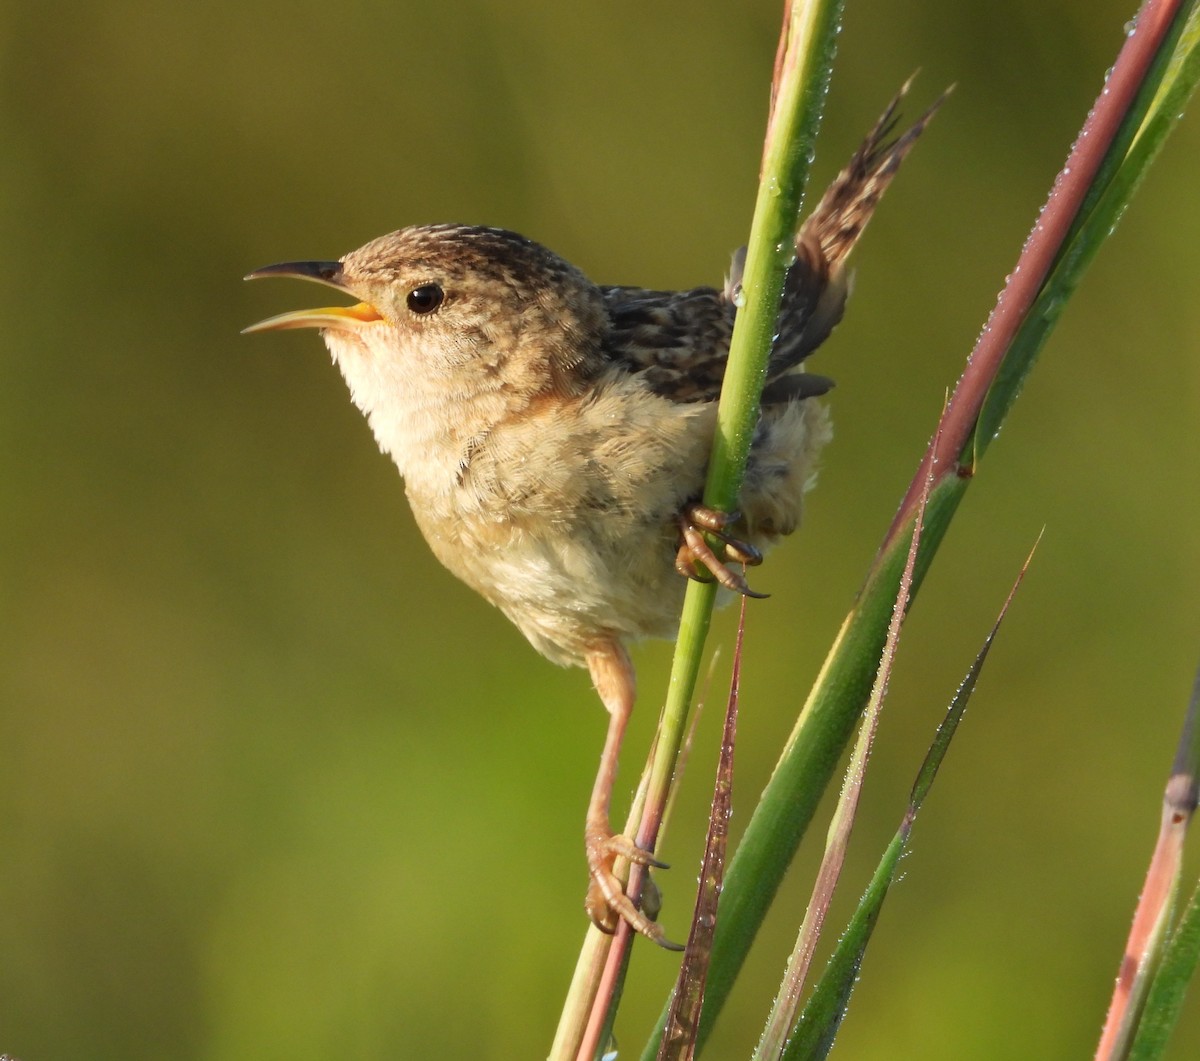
696, 558
607, 904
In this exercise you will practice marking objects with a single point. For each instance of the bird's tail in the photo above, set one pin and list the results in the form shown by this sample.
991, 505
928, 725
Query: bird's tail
817, 284
834, 227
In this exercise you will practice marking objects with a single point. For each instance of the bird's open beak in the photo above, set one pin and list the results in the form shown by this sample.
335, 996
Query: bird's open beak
328, 273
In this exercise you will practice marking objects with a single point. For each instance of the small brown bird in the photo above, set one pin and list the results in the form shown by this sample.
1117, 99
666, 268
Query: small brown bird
553, 434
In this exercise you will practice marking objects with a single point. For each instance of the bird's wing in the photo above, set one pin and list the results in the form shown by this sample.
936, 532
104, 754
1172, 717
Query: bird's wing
676, 341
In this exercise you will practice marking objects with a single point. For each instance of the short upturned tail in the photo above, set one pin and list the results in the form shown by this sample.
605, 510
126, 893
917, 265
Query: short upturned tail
817, 285
843, 212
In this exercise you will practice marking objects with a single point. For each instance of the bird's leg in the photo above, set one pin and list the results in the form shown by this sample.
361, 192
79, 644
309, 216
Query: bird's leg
695, 552
612, 674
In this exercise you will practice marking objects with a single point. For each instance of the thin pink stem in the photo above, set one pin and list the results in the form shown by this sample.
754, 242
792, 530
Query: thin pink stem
1041, 248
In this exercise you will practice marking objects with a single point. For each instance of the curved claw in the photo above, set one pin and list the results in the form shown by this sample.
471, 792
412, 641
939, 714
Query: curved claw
606, 902
716, 522
696, 556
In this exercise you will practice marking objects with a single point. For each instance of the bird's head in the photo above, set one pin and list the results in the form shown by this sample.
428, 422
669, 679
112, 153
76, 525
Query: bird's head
456, 328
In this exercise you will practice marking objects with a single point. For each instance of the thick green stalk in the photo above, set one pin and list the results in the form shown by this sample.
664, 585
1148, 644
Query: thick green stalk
803, 66
806, 57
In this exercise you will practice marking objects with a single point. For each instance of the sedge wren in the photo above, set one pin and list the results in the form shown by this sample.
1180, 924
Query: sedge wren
553, 434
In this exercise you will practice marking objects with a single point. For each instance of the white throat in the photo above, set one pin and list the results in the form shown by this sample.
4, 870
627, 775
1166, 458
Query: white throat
419, 418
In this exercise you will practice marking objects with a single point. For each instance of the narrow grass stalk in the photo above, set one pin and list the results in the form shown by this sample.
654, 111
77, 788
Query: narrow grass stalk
1151, 928
680, 1040
787, 1002
813, 1036
1164, 1001
580, 1030
585, 1021
1069, 231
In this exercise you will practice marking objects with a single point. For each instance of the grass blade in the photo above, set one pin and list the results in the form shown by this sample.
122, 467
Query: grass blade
823, 1014
1152, 920
1165, 998
679, 1042
787, 1001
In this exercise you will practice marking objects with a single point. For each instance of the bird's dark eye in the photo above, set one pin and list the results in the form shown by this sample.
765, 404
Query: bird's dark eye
426, 298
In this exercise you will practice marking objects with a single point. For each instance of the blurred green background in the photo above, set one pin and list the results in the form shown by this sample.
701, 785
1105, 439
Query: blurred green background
274, 785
